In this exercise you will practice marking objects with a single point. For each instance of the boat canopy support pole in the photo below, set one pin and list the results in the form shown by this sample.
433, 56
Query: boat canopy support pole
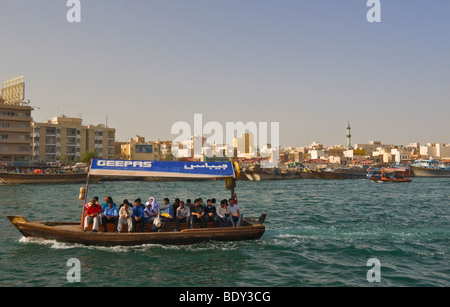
233, 185
83, 211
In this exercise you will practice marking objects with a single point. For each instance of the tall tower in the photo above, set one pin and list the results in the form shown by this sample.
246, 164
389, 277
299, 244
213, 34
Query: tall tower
349, 137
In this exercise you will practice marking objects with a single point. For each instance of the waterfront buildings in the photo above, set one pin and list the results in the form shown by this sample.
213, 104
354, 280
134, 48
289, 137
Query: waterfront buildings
66, 139
245, 145
436, 151
138, 149
15, 132
15, 124
13, 91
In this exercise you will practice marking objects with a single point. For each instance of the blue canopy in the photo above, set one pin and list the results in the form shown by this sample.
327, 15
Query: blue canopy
101, 167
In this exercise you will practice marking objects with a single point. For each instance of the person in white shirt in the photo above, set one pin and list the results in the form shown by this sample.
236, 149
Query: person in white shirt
150, 211
235, 214
223, 216
125, 213
183, 214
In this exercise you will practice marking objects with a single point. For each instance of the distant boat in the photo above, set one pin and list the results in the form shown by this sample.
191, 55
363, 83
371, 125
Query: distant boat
258, 173
392, 175
42, 178
341, 173
374, 173
431, 168
306, 173
43, 174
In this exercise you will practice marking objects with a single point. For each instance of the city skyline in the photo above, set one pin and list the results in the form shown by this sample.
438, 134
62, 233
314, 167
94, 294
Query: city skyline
312, 66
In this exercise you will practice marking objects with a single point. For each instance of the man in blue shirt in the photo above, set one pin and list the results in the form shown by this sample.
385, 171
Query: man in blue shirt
110, 215
167, 214
138, 214
108, 200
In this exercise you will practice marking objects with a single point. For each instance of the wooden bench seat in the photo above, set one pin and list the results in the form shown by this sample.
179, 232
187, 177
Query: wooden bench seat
167, 226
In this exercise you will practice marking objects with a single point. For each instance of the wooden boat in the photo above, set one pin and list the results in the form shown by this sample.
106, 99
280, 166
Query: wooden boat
306, 174
39, 178
392, 175
341, 173
250, 228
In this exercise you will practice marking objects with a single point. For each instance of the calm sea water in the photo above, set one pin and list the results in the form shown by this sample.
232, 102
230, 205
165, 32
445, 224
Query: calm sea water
318, 233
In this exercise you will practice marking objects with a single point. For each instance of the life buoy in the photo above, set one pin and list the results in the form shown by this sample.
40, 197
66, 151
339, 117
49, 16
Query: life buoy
228, 182
82, 193
237, 170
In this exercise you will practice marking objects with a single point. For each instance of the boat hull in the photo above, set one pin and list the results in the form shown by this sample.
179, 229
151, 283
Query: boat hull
72, 233
338, 175
306, 175
391, 180
429, 172
19, 178
262, 176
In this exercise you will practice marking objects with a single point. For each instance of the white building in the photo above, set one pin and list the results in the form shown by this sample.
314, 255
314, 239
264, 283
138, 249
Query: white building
436, 151
400, 154
318, 154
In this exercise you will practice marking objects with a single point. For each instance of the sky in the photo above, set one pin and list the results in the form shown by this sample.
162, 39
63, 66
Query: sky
311, 65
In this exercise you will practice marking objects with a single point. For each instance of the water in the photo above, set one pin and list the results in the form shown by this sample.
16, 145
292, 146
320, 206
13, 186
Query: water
318, 233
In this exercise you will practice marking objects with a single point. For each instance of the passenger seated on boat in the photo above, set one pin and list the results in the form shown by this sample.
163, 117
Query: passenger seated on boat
235, 214
213, 200
152, 201
92, 216
183, 215
150, 212
125, 214
138, 214
223, 216
167, 214
108, 200
175, 206
198, 214
110, 215
89, 203
189, 204
210, 213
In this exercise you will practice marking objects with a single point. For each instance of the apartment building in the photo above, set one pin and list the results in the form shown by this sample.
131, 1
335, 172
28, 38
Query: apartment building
15, 134
66, 139
138, 149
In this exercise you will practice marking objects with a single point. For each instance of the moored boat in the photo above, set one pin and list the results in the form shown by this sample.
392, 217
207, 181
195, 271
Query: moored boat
340, 173
72, 232
42, 178
431, 168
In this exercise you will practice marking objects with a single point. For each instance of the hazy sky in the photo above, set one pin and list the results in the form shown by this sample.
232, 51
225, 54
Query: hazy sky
311, 65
